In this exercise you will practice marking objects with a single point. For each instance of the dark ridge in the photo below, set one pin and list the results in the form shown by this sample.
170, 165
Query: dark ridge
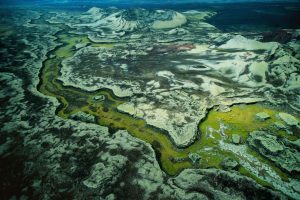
281, 36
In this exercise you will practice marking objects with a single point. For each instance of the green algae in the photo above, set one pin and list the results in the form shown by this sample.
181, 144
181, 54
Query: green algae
241, 120
245, 172
103, 45
74, 100
66, 50
278, 171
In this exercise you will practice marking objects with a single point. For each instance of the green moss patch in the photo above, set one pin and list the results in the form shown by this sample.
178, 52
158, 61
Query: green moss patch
217, 126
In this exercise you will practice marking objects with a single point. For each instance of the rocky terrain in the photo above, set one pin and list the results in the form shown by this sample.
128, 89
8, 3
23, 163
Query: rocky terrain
154, 73
146, 104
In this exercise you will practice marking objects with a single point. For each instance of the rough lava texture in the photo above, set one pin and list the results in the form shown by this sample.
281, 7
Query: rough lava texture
85, 161
156, 72
132, 19
48, 157
281, 151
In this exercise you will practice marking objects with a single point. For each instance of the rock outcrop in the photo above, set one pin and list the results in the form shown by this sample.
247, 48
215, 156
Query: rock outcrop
209, 182
177, 20
280, 151
84, 117
240, 42
262, 116
133, 19
289, 119
170, 86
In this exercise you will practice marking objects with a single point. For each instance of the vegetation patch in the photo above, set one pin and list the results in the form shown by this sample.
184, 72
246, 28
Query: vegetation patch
218, 127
